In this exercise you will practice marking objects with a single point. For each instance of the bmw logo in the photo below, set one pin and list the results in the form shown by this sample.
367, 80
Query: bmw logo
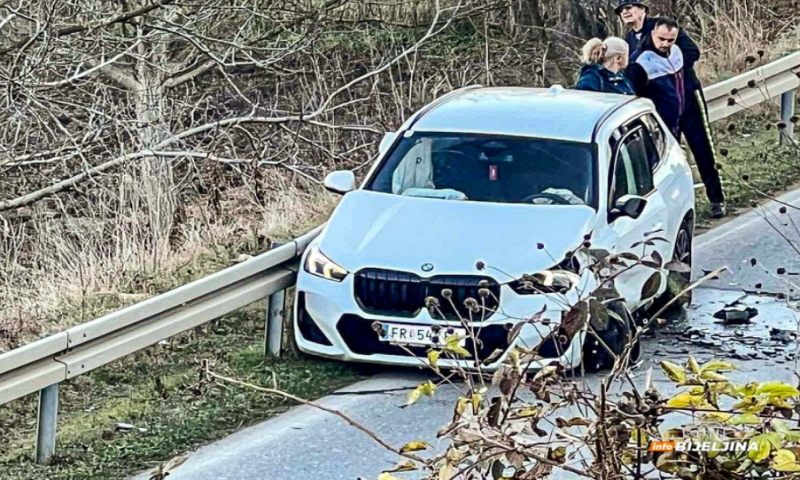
427, 267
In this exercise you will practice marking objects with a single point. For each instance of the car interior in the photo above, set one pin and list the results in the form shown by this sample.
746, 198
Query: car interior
496, 170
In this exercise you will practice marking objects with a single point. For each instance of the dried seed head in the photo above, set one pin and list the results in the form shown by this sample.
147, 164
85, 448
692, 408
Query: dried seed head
484, 292
432, 302
471, 304
447, 293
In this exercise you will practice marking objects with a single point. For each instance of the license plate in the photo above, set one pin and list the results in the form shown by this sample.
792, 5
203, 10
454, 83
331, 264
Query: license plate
418, 334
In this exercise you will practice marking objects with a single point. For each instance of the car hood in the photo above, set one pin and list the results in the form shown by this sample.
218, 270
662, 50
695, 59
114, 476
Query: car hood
378, 230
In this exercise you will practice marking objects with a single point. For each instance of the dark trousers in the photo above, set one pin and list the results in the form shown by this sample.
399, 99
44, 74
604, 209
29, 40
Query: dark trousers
696, 127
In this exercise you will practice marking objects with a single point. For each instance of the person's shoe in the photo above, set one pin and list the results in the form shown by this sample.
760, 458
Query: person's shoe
718, 210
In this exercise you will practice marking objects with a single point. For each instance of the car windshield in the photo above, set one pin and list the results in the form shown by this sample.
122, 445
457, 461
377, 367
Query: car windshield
486, 168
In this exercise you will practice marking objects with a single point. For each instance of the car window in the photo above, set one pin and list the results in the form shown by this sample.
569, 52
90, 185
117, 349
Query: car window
656, 133
489, 168
632, 171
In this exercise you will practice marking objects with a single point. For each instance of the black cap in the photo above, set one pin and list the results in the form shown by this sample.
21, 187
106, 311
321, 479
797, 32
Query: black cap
624, 3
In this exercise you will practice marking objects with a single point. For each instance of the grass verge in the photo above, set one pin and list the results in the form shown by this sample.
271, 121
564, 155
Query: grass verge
159, 390
753, 165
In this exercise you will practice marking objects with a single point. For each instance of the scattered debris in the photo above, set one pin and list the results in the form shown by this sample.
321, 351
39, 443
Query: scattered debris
736, 315
127, 427
783, 336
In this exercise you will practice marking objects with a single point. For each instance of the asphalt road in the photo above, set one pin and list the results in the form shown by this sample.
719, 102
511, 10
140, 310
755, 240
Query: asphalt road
306, 443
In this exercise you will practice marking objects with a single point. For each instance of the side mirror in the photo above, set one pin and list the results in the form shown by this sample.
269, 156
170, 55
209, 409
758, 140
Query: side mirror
386, 142
341, 182
629, 206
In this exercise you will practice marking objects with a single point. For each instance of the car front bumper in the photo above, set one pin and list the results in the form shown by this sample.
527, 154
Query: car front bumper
329, 322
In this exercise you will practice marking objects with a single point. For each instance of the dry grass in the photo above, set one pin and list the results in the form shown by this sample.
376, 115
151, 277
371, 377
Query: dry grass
69, 271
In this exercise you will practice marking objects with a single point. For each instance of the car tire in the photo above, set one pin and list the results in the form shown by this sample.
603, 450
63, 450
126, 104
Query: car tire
616, 336
676, 282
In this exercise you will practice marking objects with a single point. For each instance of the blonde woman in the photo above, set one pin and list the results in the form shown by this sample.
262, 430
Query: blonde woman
605, 65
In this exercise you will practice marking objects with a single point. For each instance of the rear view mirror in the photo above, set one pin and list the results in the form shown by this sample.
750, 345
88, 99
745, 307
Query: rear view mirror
341, 182
386, 142
629, 206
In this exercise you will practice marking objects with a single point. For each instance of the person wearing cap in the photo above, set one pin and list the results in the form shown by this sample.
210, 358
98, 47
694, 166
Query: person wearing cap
604, 67
694, 123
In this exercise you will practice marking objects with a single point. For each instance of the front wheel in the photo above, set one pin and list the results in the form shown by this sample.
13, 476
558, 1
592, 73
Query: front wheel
603, 345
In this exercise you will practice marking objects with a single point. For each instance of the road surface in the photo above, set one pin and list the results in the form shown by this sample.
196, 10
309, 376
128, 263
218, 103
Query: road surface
306, 443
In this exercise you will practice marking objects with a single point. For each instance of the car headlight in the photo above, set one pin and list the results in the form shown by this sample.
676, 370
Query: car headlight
321, 266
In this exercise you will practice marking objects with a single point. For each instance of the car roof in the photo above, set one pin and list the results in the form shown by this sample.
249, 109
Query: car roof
554, 113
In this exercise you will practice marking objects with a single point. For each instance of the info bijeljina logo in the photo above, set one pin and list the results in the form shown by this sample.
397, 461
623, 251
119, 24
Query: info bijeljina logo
688, 445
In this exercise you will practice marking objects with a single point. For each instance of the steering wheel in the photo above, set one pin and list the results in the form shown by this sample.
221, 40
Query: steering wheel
550, 196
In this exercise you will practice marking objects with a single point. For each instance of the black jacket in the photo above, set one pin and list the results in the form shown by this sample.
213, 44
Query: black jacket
597, 78
663, 81
691, 52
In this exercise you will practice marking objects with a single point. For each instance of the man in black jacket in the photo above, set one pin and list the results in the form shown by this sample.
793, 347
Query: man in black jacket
660, 63
694, 123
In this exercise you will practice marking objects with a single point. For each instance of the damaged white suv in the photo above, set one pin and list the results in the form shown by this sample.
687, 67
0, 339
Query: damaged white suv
474, 192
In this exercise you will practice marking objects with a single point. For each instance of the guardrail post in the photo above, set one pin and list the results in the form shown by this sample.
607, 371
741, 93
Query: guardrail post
787, 112
274, 328
48, 419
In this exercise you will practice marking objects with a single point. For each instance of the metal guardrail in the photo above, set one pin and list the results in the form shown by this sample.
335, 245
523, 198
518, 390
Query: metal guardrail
42, 365
780, 78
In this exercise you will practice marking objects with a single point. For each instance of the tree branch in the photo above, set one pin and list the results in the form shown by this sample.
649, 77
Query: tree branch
83, 28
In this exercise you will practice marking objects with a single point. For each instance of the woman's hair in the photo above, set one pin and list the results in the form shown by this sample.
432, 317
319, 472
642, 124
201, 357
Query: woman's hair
598, 51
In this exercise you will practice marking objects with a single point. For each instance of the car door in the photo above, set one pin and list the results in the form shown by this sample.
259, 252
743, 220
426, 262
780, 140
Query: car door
635, 157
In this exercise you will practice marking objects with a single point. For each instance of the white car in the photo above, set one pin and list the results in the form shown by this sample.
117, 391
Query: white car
476, 190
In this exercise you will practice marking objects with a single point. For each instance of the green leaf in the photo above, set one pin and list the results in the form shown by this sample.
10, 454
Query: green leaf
774, 439
718, 366
414, 447
745, 419
413, 396
777, 390
684, 400
692, 365
406, 466
764, 447
453, 346
650, 288
428, 388
433, 358
477, 399
676, 373
678, 267
598, 315
785, 461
